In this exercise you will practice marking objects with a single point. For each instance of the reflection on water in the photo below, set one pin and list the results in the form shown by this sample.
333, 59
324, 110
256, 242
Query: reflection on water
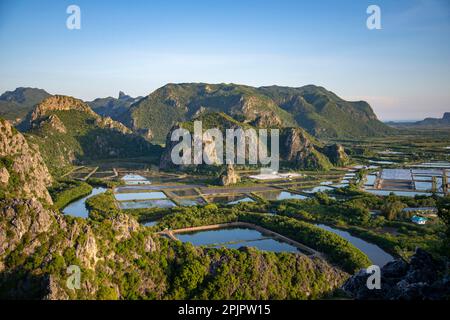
139, 196
281, 195
191, 202
375, 253
370, 180
398, 193
78, 208
246, 199
150, 223
185, 192
164, 203
319, 189
132, 179
235, 238
230, 199
424, 186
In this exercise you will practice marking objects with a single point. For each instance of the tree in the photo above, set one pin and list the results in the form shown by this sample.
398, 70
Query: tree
443, 206
391, 209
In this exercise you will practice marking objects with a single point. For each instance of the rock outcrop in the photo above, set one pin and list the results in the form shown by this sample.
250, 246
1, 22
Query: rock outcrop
22, 170
336, 154
23, 217
67, 132
229, 177
42, 114
297, 148
423, 278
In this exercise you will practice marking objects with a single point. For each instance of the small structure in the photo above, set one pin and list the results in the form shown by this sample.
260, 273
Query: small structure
419, 220
426, 211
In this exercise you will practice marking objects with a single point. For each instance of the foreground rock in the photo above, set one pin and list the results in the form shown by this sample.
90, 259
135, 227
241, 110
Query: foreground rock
423, 278
23, 173
230, 176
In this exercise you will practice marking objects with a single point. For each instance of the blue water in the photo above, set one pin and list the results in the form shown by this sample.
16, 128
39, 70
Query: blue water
163, 203
281, 195
139, 196
78, 207
378, 256
235, 238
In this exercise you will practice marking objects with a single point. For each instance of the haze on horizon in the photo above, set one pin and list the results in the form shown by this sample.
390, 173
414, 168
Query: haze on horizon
402, 70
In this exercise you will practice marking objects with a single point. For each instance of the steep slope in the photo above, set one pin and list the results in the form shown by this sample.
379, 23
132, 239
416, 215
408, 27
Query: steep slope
68, 131
323, 114
113, 107
120, 259
442, 122
23, 173
297, 148
15, 105
320, 112
182, 102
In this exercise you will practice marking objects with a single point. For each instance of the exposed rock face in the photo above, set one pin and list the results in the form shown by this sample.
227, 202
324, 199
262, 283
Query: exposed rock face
41, 114
22, 217
60, 103
86, 251
296, 145
298, 149
67, 132
124, 226
230, 177
422, 278
313, 108
25, 173
55, 123
4, 177
336, 154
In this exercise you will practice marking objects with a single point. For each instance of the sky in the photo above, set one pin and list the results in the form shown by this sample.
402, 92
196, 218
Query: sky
402, 70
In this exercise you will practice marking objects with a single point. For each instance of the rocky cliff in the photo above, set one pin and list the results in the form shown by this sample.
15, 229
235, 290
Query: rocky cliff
120, 259
229, 177
315, 109
297, 148
45, 110
23, 173
336, 154
16, 104
68, 131
423, 278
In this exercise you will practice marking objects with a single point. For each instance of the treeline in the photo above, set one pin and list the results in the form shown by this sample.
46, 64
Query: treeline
64, 192
337, 249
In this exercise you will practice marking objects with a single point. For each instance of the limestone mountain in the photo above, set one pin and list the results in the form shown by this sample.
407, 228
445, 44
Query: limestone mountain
113, 107
16, 104
68, 131
323, 114
298, 149
318, 111
182, 102
23, 173
439, 122
443, 122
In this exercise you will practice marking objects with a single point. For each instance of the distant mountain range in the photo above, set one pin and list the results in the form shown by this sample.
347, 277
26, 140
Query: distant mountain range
315, 109
318, 111
14, 105
427, 122
67, 131
298, 149
113, 107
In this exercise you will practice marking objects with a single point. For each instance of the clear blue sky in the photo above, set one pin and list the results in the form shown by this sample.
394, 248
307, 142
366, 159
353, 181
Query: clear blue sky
403, 70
